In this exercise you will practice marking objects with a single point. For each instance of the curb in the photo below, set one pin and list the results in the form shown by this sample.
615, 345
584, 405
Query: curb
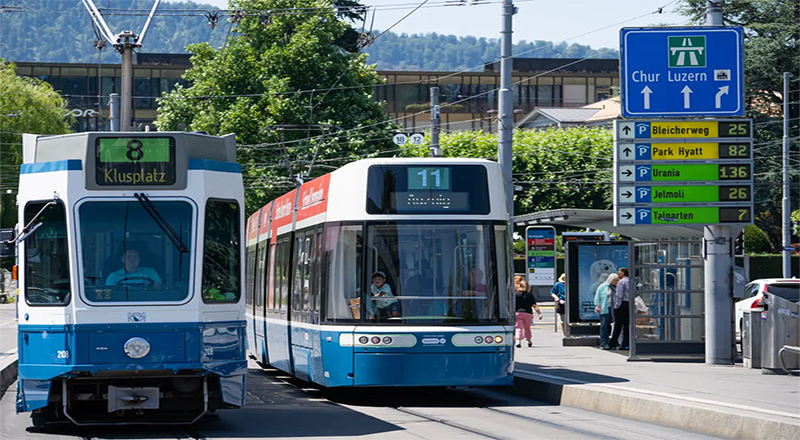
8, 372
701, 416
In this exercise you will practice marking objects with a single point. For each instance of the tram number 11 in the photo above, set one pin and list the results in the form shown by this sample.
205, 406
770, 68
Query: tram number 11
430, 178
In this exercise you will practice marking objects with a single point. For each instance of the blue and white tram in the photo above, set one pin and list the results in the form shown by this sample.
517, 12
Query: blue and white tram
130, 275
437, 232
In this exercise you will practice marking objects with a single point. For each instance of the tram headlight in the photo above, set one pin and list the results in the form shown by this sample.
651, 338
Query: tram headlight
363, 339
137, 348
376, 340
488, 339
479, 339
387, 340
498, 339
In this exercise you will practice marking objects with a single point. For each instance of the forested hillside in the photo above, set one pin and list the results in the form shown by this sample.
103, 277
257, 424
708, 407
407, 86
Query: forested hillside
61, 31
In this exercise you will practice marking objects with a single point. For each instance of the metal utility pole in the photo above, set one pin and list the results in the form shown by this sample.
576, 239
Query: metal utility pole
124, 43
435, 122
113, 110
505, 129
718, 267
787, 206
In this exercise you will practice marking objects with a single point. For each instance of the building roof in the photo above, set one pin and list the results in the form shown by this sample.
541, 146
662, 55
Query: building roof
556, 116
607, 109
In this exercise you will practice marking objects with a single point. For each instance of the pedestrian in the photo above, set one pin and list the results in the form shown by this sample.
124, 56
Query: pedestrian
559, 294
622, 311
603, 307
525, 304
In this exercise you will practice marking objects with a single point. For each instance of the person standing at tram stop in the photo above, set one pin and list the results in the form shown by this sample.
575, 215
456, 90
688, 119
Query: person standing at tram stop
525, 304
559, 294
382, 305
602, 305
622, 311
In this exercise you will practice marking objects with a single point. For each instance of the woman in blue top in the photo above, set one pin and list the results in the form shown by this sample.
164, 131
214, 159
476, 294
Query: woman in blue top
602, 299
559, 294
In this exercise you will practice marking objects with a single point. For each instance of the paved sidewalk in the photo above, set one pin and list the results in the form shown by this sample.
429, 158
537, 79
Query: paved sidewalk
723, 400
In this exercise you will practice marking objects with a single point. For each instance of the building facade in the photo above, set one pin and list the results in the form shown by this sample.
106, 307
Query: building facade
468, 99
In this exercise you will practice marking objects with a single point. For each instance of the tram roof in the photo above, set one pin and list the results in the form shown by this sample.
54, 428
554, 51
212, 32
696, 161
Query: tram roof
603, 220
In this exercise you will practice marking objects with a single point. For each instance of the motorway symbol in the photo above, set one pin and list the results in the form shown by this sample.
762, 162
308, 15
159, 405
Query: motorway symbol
684, 194
687, 51
682, 71
683, 151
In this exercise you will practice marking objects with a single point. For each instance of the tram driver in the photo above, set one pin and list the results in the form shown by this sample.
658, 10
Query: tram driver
133, 274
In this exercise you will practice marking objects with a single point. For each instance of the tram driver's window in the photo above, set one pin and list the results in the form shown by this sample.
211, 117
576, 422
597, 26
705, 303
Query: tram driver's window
221, 252
47, 275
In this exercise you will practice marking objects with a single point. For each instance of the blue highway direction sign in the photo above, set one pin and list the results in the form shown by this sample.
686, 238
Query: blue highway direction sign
682, 72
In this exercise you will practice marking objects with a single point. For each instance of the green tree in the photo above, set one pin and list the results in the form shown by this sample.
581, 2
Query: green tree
556, 168
756, 240
27, 105
291, 91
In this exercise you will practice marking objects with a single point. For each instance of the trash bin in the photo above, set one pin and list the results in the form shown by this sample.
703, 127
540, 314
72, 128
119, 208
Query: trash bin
779, 328
751, 338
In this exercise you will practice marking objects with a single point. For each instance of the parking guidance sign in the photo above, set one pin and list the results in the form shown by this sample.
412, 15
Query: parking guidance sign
682, 72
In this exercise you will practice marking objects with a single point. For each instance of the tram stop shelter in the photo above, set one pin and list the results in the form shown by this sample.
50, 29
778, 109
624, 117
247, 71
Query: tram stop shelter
666, 269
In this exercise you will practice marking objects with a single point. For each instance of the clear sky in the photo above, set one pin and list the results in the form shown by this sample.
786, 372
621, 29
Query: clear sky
573, 21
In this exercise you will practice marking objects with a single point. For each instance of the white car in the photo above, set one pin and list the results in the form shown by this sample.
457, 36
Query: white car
787, 288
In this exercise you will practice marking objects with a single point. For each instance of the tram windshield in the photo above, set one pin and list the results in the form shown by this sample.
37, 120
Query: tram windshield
419, 273
128, 257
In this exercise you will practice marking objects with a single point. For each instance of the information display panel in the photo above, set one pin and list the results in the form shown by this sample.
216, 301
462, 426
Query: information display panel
135, 161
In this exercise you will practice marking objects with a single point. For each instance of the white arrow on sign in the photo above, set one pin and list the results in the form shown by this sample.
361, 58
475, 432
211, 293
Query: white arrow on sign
722, 91
646, 92
686, 92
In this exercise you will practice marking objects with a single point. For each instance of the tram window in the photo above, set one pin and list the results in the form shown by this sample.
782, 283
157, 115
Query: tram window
271, 283
250, 299
113, 233
438, 272
221, 256
297, 302
502, 250
47, 274
341, 261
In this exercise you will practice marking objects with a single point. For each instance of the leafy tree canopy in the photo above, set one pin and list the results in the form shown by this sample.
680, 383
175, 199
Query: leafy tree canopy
27, 105
557, 168
298, 100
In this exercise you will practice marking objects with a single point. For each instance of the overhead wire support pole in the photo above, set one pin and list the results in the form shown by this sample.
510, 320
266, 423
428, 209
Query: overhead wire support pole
140, 40
786, 203
435, 122
505, 130
718, 267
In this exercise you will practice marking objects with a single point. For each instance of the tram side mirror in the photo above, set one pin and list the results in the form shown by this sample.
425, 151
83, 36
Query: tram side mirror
30, 231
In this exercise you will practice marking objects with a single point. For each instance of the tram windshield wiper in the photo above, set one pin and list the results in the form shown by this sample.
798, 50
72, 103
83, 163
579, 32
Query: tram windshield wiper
161, 222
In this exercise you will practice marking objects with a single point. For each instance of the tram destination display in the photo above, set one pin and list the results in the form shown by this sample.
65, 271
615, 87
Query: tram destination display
405, 189
135, 161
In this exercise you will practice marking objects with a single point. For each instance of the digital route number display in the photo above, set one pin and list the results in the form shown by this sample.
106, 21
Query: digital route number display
421, 189
131, 161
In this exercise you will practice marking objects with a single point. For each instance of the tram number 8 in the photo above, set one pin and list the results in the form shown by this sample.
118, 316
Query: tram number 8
135, 152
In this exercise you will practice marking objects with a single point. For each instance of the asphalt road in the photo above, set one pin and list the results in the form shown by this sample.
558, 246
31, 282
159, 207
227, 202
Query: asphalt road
282, 408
